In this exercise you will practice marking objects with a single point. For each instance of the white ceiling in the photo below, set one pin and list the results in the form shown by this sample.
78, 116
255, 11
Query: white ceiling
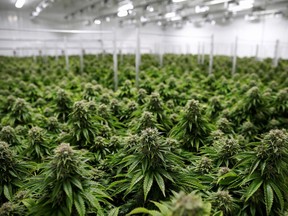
80, 11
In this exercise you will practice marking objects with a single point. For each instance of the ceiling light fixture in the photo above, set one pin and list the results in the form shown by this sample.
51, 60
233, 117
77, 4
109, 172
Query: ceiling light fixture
201, 9
125, 7
176, 18
143, 19
242, 5
122, 13
170, 15
19, 3
150, 8
97, 21
177, 1
35, 13
251, 17
214, 2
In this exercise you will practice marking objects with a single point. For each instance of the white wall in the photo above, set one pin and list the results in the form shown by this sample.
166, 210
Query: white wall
185, 40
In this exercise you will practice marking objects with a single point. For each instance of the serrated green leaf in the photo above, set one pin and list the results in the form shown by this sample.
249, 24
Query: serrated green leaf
77, 183
114, 212
80, 205
163, 208
255, 185
68, 189
278, 194
148, 181
69, 204
139, 211
268, 197
160, 182
136, 178
8, 192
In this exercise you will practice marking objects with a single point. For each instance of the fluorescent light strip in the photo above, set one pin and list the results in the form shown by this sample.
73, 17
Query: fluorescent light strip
243, 5
177, 1
199, 9
126, 7
213, 2
19, 3
97, 22
170, 15
122, 13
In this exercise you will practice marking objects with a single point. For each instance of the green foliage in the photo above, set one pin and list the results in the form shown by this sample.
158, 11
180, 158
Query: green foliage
65, 187
180, 205
221, 137
193, 127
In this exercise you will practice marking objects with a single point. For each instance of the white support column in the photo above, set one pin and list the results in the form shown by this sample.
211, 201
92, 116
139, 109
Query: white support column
66, 54
257, 51
211, 55
234, 65
276, 54
232, 52
45, 57
199, 53
81, 60
34, 58
115, 61
102, 49
161, 55
56, 55
121, 56
203, 53
138, 57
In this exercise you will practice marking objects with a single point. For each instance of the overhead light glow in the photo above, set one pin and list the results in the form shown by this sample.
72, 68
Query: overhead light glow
214, 2
38, 9
107, 19
177, 1
250, 17
170, 15
242, 5
201, 9
143, 19
150, 8
35, 13
97, 21
19, 3
122, 13
126, 7
278, 14
176, 18
159, 23
213, 22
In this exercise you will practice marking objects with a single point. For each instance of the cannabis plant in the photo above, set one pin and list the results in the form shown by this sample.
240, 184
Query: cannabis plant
253, 107
267, 174
156, 106
223, 203
8, 135
65, 187
83, 128
193, 127
152, 169
12, 172
37, 144
63, 105
181, 205
20, 113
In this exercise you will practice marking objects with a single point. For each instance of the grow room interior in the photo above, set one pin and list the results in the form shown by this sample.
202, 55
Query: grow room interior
144, 107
